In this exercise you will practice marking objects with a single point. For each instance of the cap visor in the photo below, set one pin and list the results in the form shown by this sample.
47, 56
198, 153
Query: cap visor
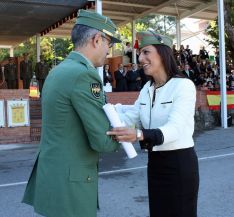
115, 40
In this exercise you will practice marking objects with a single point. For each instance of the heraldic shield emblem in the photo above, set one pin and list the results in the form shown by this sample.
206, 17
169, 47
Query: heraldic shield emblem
96, 90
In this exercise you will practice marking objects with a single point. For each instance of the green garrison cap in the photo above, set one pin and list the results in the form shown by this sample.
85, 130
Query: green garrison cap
150, 37
99, 22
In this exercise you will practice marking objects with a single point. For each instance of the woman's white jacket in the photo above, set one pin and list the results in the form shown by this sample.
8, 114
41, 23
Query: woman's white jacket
172, 112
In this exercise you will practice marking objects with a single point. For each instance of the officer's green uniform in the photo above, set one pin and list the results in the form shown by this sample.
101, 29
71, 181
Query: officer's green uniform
64, 180
26, 73
11, 77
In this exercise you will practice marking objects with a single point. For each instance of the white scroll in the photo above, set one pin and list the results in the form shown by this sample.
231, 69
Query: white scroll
116, 122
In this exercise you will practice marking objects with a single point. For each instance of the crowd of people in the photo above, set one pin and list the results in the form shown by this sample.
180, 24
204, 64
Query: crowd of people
204, 73
127, 79
198, 67
9, 72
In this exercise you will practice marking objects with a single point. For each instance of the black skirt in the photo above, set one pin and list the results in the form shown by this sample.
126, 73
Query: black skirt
173, 182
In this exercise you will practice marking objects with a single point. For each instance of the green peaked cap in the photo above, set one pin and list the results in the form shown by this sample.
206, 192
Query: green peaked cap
99, 22
146, 38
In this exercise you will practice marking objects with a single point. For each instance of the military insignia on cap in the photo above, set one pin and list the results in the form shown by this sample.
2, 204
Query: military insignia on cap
96, 90
157, 36
107, 32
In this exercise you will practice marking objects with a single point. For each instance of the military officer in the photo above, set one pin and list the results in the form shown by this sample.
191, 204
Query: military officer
41, 71
26, 71
11, 74
64, 179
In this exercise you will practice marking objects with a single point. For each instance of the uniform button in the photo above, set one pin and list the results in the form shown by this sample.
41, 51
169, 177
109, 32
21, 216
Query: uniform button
89, 179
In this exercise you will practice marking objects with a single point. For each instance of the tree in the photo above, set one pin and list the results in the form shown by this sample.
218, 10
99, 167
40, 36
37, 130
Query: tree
4, 54
159, 23
54, 50
229, 24
213, 30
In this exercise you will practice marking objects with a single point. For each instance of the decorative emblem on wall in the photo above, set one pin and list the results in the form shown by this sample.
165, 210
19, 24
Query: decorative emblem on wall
18, 113
2, 113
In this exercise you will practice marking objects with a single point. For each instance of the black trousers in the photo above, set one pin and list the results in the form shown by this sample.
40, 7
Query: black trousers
41, 83
11, 84
26, 83
173, 183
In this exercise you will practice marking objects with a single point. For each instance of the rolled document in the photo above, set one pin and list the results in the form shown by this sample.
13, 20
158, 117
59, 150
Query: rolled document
116, 122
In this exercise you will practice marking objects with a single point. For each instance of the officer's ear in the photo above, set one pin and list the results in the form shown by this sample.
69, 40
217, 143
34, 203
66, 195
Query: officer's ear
97, 40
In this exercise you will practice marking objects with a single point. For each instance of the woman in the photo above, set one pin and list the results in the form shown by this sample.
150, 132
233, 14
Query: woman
128, 51
165, 110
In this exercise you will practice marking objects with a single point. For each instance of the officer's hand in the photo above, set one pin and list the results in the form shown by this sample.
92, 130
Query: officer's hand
123, 134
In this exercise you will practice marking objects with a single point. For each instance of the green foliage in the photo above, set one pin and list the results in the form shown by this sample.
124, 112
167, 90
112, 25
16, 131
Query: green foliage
61, 47
126, 33
4, 54
213, 31
159, 23
54, 50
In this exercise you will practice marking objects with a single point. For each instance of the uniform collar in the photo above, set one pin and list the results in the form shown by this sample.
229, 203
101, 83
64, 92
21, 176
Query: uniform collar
76, 55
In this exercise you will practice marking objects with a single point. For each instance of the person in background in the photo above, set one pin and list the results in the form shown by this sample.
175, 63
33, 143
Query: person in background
64, 179
10, 73
203, 85
107, 77
188, 49
183, 55
190, 57
231, 77
120, 78
203, 54
3, 84
231, 87
26, 71
41, 72
128, 51
133, 79
164, 113
175, 52
210, 85
187, 72
203, 66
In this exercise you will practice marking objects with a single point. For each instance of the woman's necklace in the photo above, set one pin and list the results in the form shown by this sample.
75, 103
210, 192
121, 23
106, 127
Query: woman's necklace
159, 84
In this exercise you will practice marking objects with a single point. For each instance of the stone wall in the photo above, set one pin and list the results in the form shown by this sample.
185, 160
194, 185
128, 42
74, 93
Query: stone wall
204, 118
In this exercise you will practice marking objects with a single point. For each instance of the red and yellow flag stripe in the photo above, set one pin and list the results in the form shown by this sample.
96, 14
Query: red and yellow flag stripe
214, 99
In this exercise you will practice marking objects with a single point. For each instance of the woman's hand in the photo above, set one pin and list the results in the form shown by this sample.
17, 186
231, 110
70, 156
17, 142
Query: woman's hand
123, 134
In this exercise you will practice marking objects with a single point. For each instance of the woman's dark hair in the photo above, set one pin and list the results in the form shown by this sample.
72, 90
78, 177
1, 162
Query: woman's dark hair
168, 61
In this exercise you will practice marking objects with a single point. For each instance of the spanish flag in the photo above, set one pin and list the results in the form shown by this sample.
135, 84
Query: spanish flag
214, 100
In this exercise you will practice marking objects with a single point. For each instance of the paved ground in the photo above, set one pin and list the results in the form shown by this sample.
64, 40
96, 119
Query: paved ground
123, 187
